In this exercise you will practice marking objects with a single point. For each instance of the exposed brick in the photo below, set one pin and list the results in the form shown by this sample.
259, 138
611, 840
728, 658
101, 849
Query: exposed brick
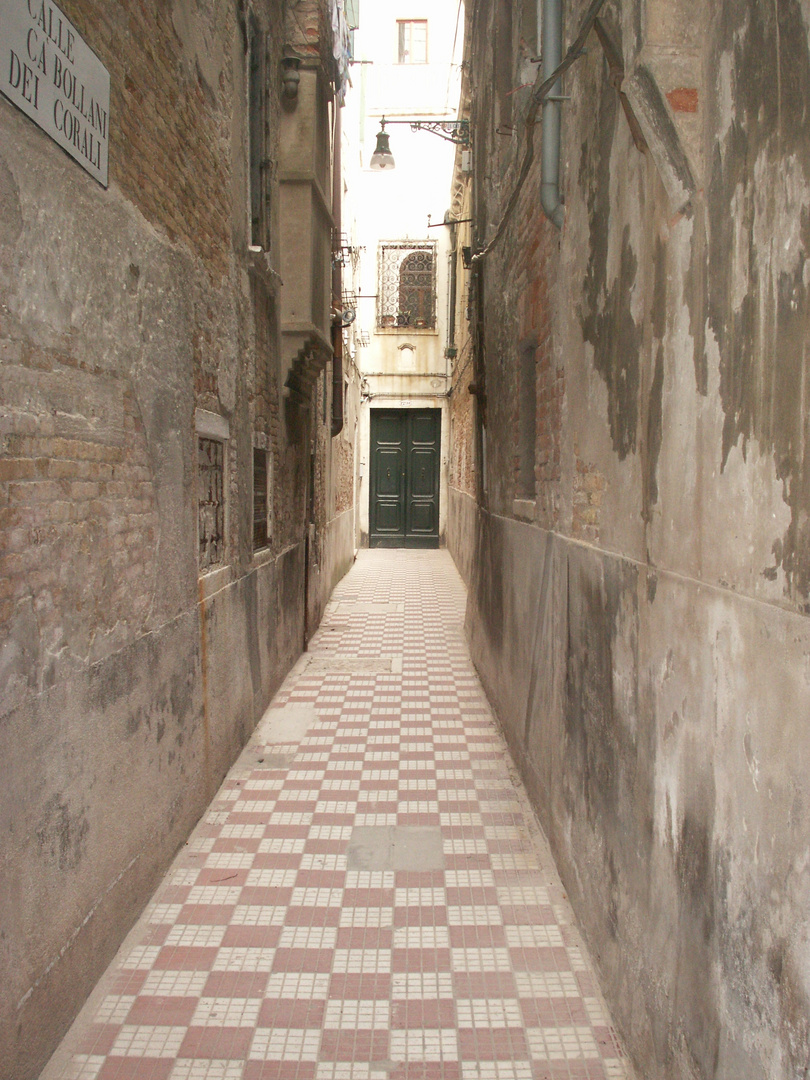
683, 99
588, 497
173, 171
79, 513
19, 469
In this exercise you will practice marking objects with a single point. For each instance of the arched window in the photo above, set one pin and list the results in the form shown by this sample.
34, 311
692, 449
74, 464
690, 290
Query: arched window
407, 286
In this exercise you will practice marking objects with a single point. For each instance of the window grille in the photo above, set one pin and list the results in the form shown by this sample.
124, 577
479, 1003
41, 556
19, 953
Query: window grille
407, 286
211, 504
261, 499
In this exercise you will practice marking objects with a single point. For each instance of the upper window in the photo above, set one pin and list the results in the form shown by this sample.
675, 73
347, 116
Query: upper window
407, 286
259, 232
412, 41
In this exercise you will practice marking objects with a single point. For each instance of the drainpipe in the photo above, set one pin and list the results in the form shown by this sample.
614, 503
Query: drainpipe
337, 285
550, 163
453, 274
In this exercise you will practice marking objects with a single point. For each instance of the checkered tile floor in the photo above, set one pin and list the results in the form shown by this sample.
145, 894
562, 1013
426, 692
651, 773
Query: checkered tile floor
368, 896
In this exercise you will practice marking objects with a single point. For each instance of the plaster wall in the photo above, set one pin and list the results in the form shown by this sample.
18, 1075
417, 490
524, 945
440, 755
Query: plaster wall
337, 559
121, 706
129, 681
393, 88
642, 631
663, 772
462, 525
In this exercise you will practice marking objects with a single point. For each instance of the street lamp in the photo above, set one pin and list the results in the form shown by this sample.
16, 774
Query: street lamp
382, 158
454, 131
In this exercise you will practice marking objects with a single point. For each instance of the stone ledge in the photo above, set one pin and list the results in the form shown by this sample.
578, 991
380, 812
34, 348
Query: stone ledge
524, 509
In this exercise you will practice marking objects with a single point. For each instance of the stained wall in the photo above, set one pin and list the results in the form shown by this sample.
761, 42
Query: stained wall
639, 612
133, 320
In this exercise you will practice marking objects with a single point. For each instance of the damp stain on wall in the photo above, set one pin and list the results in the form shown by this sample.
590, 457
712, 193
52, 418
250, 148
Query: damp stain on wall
758, 239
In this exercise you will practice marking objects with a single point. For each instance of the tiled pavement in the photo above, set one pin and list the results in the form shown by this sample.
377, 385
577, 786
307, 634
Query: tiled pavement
368, 897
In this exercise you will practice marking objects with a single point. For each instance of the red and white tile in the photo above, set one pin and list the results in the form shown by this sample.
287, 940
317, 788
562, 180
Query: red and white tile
266, 955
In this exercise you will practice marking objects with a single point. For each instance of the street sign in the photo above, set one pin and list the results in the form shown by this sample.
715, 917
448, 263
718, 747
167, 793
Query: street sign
49, 72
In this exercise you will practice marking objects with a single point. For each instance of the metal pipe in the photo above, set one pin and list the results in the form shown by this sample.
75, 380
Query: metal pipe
550, 162
337, 283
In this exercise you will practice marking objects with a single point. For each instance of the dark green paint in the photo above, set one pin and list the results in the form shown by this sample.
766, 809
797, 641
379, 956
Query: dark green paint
404, 482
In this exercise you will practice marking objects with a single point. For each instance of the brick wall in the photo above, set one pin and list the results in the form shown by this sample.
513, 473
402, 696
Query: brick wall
589, 490
127, 683
77, 512
462, 419
529, 249
170, 127
344, 469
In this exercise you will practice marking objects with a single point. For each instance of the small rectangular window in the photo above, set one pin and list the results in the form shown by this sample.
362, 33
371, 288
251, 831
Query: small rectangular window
261, 499
412, 45
256, 122
527, 418
211, 501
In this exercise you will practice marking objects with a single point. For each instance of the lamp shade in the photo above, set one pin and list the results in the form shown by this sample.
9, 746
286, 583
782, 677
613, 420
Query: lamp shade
382, 158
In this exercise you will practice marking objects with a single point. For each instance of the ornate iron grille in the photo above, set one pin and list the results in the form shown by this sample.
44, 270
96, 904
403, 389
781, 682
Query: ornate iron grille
211, 505
261, 515
407, 286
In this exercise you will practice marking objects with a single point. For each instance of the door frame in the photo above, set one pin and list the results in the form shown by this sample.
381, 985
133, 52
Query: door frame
404, 540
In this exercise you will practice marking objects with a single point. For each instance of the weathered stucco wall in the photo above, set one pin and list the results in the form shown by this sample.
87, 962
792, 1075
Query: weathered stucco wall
462, 523
130, 673
643, 629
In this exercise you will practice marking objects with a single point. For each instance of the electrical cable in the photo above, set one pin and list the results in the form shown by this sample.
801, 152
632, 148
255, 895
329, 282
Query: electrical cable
539, 93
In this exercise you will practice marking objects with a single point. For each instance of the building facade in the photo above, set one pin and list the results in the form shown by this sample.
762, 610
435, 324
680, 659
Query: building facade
406, 69
629, 502
176, 454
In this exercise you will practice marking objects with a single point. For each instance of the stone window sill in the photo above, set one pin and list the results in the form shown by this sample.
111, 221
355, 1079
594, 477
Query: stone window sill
211, 581
263, 556
407, 331
524, 509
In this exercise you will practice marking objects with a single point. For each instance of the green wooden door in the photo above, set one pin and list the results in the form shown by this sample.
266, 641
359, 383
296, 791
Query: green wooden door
404, 481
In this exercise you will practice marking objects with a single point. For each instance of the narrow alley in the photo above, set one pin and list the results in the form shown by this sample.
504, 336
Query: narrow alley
315, 314
368, 897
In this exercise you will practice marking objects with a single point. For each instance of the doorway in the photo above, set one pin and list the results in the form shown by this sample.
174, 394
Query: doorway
404, 480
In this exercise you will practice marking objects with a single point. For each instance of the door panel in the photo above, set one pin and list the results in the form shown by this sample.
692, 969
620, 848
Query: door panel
389, 427
423, 427
422, 519
389, 518
404, 482
423, 466
389, 471
388, 488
